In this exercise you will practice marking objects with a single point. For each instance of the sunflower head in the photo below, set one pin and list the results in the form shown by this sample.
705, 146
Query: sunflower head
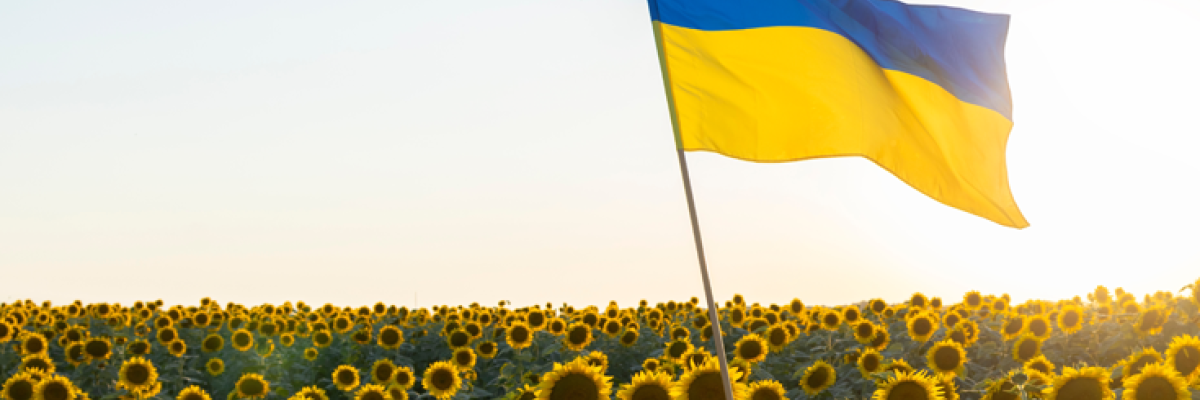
1156, 381
441, 380
137, 374
629, 337
818, 377
766, 390
704, 382
40, 361
320, 338
647, 385
242, 339
751, 347
215, 366
212, 343
372, 392
1026, 348
382, 371
1086, 383
909, 386
464, 358
177, 348
676, 349
518, 335
922, 326
252, 386
1070, 318
55, 387
403, 377
864, 331
390, 337
1183, 355
1138, 360
193, 393
345, 377
870, 362
19, 386
947, 358
578, 336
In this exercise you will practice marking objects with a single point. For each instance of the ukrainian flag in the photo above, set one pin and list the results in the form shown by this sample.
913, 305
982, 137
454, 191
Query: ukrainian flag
920, 90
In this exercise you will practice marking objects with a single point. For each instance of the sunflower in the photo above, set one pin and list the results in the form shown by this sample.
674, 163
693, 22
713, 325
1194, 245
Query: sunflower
526, 392
598, 359
242, 339
817, 378
851, 314
74, 354
486, 349
751, 347
382, 371
917, 300
56, 388
1183, 355
177, 348
1156, 381
705, 383
212, 342
252, 386
19, 387
1039, 326
321, 338
193, 393
394, 391
7, 332
372, 392
578, 336
518, 336
310, 393
973, 300
264, 347
909, 386
864, 331
1040, 364
1136, 361
1012, 327
629, 337
403, 377
214, 366
778, 337
287, 340
166, 335
947, 388
311, 354
345, 377
698, 356
882, 340
40, 361
922, 327
32, 343
1070, 319
464, 358
390, 337
137, 375
830, 320
869, 362
1086, 383
676, 349
647, 385
459, 338
442, 380
1150, 321
946, 357
1026, 348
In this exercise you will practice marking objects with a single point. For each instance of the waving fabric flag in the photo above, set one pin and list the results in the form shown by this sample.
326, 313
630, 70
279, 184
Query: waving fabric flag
920, 90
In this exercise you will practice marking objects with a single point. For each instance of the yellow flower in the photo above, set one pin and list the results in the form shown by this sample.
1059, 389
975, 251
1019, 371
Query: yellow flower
922, 326
947, 357
215, 366
137, 374
382, 371
751, 347
1026, 348
345, 377
403, 377
464, 358
55, 388
647, 385
766, 390
372, 392
19, 387
1183, 355
390, 337
1070, 318
704, 382
311, 354
519, 335
40, 361
193, 393
441, 380
908, 386
870, 362
578, 336
242, 339
1156, 381
817, 377
252, 386
1086, 383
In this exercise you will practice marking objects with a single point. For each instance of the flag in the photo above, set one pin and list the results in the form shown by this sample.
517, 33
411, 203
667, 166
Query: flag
919, 90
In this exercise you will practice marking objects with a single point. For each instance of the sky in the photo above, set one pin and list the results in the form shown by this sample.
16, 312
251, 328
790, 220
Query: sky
459, 151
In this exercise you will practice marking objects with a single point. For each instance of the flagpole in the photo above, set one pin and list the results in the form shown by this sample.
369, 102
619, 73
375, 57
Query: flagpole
714, 320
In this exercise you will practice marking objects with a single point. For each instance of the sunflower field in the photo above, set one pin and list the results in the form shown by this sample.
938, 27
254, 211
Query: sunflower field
1108, 345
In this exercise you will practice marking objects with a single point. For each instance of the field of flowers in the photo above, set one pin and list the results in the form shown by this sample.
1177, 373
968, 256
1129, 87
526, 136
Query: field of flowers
1105, 345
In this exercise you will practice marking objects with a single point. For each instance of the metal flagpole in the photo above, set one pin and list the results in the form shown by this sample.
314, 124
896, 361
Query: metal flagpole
713, 319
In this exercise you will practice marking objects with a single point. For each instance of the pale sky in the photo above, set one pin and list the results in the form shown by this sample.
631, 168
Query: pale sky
459, 151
